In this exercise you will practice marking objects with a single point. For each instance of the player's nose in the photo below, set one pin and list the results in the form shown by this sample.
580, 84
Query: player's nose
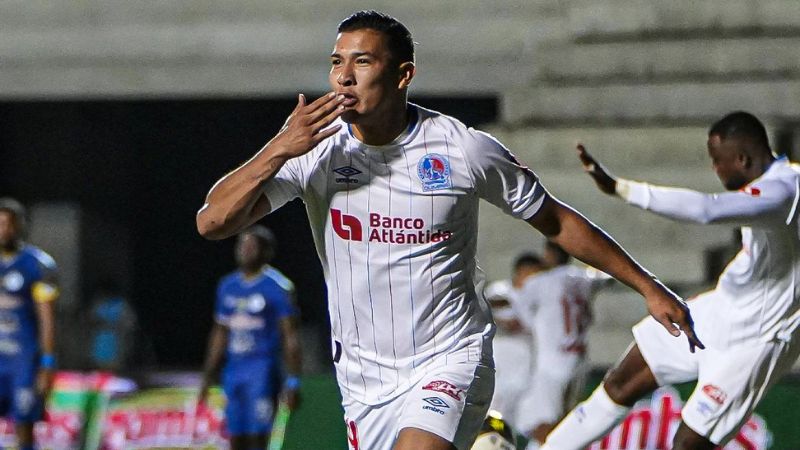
346, 77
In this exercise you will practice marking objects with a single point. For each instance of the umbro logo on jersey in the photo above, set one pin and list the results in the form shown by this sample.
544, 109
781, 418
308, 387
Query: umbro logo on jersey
386, 229
346, 173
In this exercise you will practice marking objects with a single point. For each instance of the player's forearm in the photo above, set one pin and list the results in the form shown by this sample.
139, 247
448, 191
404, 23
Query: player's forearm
217, 342
236, 200
292, 354
588, 243
47, 328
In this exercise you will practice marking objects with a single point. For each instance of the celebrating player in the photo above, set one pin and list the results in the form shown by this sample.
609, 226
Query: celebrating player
749, 321
392, 190
27, 324
253, 329
556, 305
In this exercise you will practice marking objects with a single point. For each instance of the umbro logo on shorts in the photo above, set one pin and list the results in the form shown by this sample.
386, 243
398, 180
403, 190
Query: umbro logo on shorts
436, 401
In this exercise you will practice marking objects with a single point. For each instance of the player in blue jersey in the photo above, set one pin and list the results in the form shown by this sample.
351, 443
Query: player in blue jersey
27, 325
254, 332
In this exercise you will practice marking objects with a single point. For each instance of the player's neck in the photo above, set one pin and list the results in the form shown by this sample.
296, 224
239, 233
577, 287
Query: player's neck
385, 129
10, 250
252, 272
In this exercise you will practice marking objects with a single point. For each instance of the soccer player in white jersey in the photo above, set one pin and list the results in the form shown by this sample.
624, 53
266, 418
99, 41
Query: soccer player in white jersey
555, 304
512, 350
749, 321
392, 190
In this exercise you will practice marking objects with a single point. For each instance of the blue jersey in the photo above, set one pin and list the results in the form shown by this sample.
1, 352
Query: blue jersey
26, 277
252, 308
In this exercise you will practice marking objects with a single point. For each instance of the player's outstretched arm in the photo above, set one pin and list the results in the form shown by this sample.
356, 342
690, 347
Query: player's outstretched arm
235, 201
217, 342
585, 241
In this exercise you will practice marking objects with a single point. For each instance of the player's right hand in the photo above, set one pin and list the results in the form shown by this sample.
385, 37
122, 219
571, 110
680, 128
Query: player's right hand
673, 314
604, 180
306, 126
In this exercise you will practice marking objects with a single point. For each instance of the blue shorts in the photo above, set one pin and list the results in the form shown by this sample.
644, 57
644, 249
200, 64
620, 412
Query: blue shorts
18, 389
251, 389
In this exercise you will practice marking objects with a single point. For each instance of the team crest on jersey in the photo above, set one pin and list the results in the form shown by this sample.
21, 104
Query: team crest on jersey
13, 281
434, 172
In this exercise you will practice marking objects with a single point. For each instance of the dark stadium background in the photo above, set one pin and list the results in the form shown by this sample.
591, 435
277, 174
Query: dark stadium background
146, 165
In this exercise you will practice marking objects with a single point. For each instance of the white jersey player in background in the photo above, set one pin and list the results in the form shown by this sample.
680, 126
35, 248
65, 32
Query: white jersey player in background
749, 321
556, 305
512, 348
392, 192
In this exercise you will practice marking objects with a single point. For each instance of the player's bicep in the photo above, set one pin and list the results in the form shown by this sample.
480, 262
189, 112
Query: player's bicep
46, 289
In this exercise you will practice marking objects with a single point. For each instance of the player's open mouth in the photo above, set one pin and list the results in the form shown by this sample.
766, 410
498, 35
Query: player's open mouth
349, 100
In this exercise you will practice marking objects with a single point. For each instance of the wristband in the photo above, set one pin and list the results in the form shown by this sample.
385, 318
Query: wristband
292, 383
47, 361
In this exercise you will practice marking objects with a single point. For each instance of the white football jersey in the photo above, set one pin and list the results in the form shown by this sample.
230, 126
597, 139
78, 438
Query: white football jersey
762, 283
395, 228
556, 306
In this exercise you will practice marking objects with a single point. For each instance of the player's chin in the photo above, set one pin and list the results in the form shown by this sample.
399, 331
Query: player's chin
350, 116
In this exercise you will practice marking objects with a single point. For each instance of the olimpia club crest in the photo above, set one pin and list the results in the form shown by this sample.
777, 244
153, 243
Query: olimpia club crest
434, 172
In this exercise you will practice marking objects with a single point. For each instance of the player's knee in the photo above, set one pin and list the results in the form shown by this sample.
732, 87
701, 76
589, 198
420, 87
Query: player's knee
619, 389
687, 439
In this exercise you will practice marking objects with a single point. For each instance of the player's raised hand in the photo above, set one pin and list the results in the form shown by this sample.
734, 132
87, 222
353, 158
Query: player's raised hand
604, 180
306, 126
671, 312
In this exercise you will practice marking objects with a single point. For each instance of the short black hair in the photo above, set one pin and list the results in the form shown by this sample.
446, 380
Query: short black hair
527, 259
741, 124
266, 239
17, 210
399, 38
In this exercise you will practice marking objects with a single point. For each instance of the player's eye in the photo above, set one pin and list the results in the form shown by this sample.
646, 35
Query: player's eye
362, 61
336, 61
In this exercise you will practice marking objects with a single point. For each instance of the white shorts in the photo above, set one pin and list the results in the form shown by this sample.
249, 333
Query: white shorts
557, 384
450, 401
512, 363
730, 381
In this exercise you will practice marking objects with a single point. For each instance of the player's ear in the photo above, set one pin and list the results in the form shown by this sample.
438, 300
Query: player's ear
745, 160
407, 72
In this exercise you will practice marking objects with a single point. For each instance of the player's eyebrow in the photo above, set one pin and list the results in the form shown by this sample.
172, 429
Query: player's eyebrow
353, 54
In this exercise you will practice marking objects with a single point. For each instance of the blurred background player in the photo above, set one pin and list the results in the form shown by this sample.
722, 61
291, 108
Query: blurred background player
512, 349
254, 331
750, 321
28, 289
554, 301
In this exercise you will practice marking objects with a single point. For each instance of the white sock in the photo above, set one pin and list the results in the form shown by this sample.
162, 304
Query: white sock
588, 422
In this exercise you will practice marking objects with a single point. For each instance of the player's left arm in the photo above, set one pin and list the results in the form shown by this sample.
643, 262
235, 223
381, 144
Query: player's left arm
588, 243
45, 291
758, 202
293, 359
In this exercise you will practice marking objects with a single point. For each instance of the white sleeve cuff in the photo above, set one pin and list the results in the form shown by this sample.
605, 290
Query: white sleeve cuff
633, 192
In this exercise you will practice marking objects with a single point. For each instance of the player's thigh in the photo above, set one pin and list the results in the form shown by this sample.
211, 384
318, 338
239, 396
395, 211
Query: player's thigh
658, 354
450, 402
544, 401
372, 426
631, 378
27, 406
732, 382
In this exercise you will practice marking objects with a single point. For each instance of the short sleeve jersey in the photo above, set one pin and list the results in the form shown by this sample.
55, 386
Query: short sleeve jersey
395, 228
252, 309
556, 306
26, 277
